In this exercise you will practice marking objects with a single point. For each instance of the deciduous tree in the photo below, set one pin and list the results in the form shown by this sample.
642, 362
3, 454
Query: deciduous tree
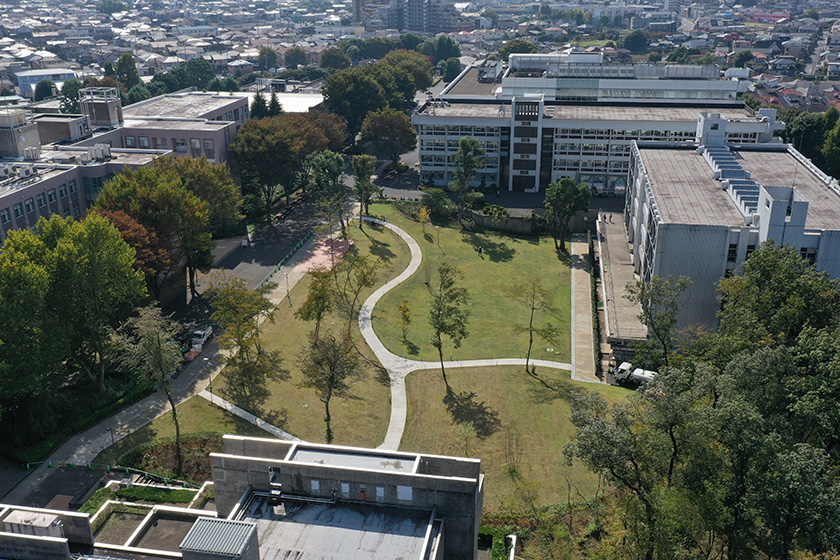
414, 63
295, 57
95, 279
448, 315
334, 58
363, 168
126, 71
391, 131
352, 94
659, 299
329, 366
533, 296
240, 312
327, 171
147, 346
520, 46
563, 200
43, 90
319, 299
267, 58
469, 158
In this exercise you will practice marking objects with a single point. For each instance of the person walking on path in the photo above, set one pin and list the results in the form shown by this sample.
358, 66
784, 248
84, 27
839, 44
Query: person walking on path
481, 252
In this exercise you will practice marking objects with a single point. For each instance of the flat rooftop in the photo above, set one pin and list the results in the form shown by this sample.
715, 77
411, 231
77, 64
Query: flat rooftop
188, 105
469, 85
687, 192
599, 112
175, 124
306, 531
367, 461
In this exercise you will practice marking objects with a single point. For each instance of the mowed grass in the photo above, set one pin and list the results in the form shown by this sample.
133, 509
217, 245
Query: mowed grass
196, 415
492, 281
360, 419
516, 414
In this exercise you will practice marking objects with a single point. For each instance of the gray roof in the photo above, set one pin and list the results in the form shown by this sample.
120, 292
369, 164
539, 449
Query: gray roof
218, 536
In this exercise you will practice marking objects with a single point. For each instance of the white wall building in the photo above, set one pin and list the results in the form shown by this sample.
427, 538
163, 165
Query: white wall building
701, 211
571, 115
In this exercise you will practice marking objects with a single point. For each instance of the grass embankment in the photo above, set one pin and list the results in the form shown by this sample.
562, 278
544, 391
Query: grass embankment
361, 419
196, 415
507, 262
506, 418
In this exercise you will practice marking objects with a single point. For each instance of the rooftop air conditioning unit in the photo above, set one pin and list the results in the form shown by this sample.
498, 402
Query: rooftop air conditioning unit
24, 171
85, 157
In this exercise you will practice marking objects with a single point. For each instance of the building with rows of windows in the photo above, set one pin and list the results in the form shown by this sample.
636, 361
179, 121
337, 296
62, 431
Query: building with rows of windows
549, 117
57, 164
700, 210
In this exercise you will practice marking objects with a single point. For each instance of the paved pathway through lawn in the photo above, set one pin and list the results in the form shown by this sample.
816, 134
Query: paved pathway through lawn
397, 366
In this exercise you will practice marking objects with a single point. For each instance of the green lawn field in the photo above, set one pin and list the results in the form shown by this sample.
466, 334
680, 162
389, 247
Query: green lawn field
493, 283
504, 417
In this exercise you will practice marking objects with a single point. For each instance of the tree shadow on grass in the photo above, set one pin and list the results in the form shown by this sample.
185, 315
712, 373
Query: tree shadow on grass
545, 390
381, 250
495, 251
465, 409
410, 347
277, 418
428, 237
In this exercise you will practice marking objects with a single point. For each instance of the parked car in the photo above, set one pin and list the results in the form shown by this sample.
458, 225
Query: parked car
201, 336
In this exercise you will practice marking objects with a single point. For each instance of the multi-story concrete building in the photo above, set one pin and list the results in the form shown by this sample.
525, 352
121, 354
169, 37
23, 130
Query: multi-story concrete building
554, 116
699, 210
279, 499
57, 164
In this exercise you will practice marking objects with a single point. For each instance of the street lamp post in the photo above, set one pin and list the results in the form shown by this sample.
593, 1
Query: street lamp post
113, 445
288, 293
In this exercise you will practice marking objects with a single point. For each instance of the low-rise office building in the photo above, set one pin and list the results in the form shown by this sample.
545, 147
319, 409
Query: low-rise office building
57, 164
531, 143
278, 499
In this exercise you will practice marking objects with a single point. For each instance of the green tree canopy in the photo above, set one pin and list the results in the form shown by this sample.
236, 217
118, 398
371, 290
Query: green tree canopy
636, 42
564, 199
453, 68
95, 280
126, 71
267, 58
70, 96
336, 58
742, 58
390, 131
44, 90
295, 57
440, 48
448, 315
352, 94
520, 46
414, 63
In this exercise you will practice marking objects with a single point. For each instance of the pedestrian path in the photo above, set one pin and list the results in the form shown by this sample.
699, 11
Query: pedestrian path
583, 332
197, 377
216, 400
397, 366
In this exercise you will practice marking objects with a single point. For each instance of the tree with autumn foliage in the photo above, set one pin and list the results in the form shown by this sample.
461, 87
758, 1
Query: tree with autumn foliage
157, 199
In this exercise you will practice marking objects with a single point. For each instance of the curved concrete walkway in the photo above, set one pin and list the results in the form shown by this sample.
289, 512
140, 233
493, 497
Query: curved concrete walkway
397, 366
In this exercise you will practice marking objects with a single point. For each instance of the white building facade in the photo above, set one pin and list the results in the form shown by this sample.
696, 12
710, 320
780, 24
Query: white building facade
699, 211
